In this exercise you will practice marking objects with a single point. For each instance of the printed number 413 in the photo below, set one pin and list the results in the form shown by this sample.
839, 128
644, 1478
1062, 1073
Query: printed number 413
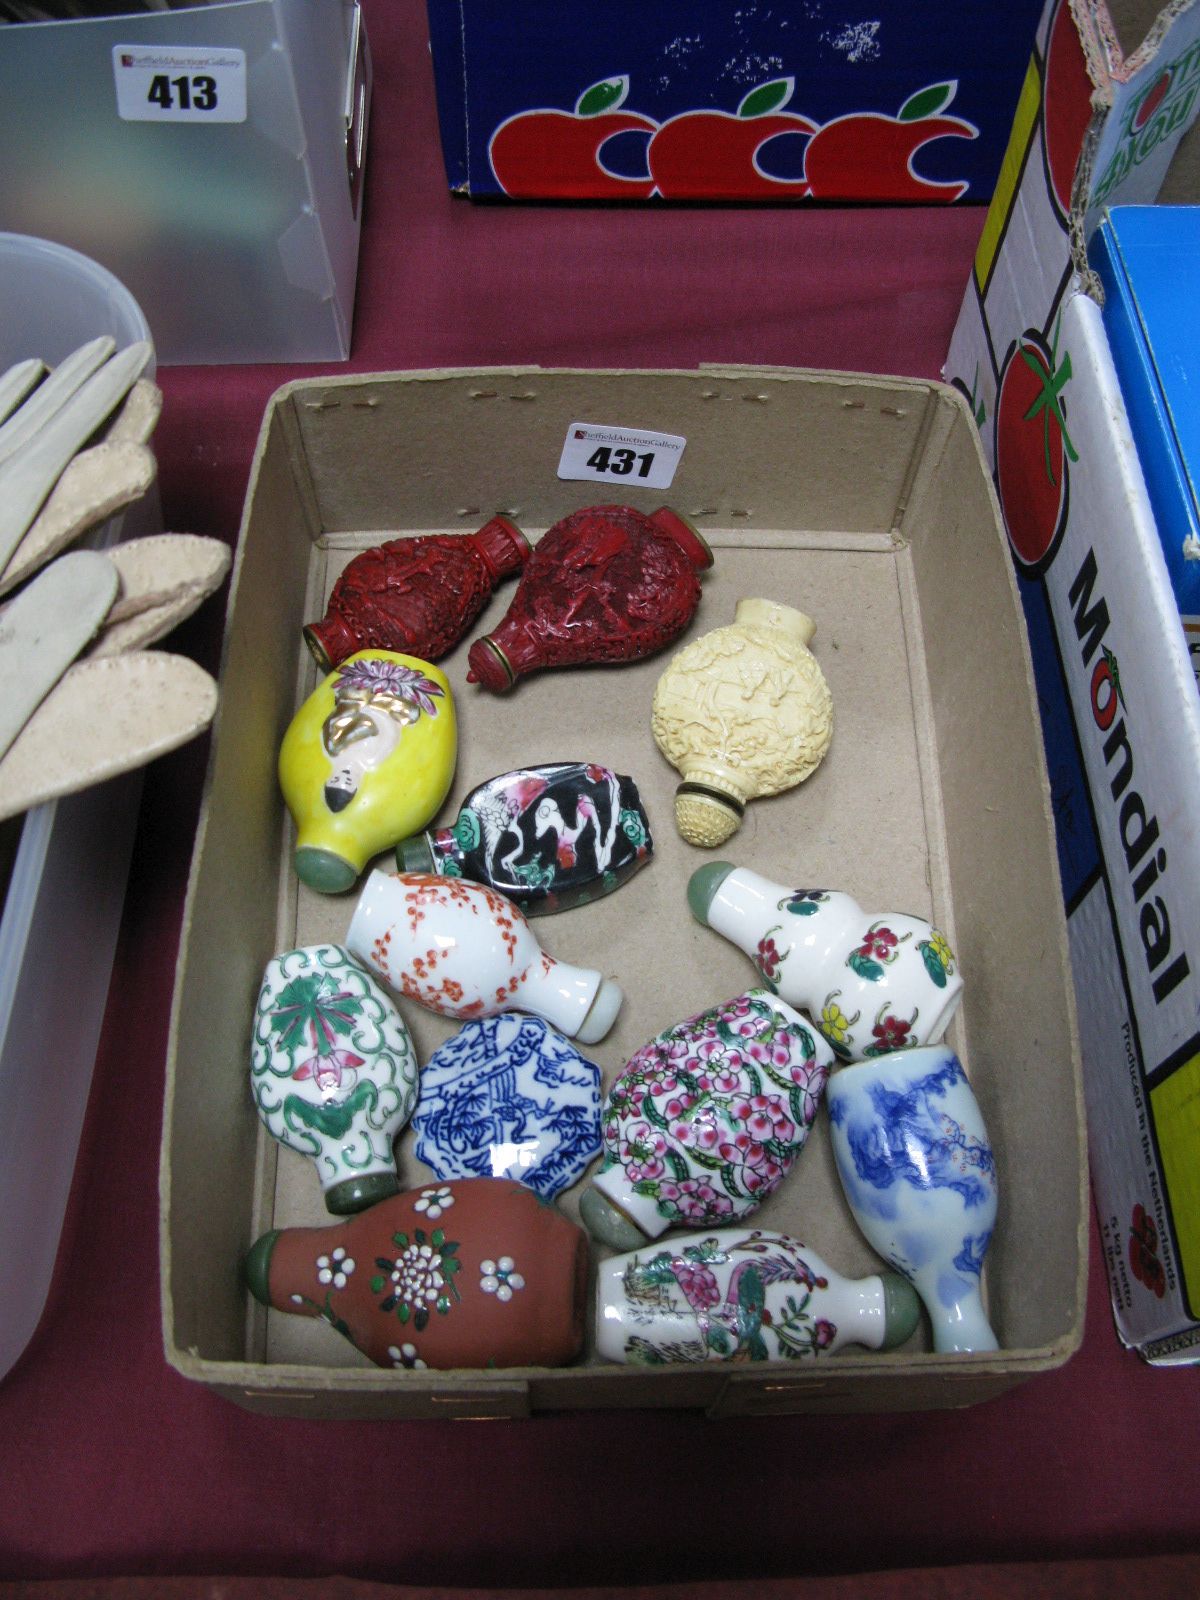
621, 462
197, 93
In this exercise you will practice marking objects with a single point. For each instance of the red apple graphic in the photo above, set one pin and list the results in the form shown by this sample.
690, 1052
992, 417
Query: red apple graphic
1066, 106
1033, 448
867, 156
1154, 98
556, 155
713, 155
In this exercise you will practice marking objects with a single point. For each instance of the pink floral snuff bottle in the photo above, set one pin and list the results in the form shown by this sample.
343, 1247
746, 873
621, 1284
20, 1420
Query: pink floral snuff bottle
706, 1120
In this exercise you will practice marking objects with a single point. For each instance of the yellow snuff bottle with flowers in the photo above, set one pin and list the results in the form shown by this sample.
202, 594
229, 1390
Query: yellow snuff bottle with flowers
366, 761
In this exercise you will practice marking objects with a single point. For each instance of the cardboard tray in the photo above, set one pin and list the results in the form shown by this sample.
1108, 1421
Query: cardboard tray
865, 502
1110, 118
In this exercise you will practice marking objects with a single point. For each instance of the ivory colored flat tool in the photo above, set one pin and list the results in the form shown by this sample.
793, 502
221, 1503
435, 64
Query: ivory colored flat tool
138, 417
16, 383
94, 485
27, 477
163, 579
53, 392
45, 628
104, 718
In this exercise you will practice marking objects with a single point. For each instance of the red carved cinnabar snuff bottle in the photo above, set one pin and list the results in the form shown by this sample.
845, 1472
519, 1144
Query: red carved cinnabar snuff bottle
605, 584
415, 595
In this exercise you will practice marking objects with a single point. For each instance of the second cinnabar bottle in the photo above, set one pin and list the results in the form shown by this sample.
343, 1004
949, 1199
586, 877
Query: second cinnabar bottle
605, 584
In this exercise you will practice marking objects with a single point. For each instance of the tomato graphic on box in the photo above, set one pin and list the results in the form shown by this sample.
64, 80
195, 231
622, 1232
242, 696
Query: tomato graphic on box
1155, 96
1143, 1252
559, 155
714, 155
1033, 449
868, 156
1066, 107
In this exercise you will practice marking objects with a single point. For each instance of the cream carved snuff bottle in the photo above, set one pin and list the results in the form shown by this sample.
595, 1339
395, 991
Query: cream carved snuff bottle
743, 711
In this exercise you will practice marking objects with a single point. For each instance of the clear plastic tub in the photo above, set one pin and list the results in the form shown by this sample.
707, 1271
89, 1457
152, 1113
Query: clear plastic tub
61, 905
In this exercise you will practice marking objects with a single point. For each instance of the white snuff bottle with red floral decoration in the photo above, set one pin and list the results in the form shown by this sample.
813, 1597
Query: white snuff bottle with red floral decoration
871, 981
742, 1295
463, 950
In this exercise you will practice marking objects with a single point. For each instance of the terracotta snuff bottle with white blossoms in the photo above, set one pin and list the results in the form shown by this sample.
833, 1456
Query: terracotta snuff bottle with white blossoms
477, 1272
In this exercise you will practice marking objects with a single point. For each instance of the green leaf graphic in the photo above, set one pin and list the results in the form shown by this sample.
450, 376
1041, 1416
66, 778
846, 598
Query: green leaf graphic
1049, 402
929, 101
767, 97
606, 95
333, 1119
678, 1166
865, 967
314, 1005
652, 1114
1114, 672
933, 964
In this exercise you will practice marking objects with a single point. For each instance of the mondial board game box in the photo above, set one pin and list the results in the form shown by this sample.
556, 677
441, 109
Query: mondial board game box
1103, 121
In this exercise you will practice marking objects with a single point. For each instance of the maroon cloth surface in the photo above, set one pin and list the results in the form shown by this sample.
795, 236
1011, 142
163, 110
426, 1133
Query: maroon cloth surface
1148, 1578
114, 1465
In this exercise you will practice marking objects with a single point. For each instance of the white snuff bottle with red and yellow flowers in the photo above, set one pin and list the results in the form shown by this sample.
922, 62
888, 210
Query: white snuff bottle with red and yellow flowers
871, 981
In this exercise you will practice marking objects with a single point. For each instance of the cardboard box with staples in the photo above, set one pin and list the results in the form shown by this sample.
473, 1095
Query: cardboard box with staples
865, 502
1110, 97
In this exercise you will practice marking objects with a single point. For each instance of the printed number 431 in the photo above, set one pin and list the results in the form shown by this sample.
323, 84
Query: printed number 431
621, 462
197, 93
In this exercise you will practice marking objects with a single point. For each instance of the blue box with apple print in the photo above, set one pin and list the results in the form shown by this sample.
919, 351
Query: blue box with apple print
748, 100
